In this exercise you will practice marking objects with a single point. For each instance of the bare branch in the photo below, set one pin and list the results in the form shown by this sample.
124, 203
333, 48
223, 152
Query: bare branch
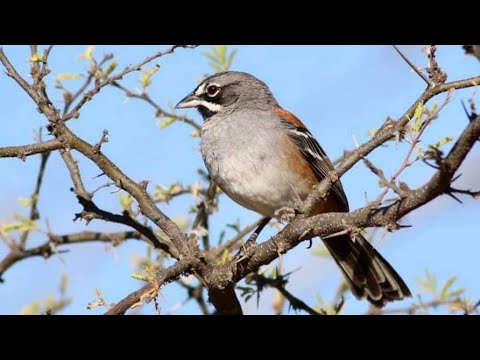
301, 228
101, 84
28, 150
16, 76
49, 247
234, 242
150, 290
385, 133
72, 166
415, 68
158, 110
34, 215
279, 283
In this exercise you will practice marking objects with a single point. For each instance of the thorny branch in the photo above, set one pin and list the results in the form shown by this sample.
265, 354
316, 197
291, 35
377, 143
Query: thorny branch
279, 283
74, 113
149, 291
424, 306
49, 248
387, 131
159, 112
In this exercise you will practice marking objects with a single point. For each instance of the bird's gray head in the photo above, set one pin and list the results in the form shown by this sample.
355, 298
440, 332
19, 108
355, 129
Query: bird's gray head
227, 92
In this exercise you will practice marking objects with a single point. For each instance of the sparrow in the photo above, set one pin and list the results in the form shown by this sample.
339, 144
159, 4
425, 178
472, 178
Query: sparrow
265, 159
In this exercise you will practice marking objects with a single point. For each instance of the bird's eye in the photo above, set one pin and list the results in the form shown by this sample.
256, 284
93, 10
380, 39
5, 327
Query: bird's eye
212, 90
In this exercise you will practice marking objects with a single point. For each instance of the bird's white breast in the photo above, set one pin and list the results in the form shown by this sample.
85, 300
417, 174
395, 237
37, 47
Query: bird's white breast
244, 156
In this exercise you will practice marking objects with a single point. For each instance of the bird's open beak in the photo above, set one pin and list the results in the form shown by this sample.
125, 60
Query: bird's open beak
189, 101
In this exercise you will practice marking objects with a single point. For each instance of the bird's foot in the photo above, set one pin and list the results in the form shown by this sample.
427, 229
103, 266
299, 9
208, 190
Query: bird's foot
246, 251
285, 214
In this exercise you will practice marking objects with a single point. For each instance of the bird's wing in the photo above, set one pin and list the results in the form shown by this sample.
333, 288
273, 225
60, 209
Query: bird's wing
311, 151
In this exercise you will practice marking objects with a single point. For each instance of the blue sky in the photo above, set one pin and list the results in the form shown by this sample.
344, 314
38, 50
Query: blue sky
340, 92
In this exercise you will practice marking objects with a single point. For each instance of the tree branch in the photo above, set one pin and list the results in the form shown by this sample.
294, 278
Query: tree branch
34, 215
150, 290
48, 248
385, 133
301, 228
279, 284
158, 110
23, 151
101, 84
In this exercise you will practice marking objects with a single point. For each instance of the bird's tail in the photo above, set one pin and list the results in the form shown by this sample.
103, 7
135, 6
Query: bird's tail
367, 272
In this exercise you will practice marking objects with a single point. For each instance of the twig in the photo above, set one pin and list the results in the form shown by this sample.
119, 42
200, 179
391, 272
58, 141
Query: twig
24, 151
179, 268
48, 248
87, 82
101, 84
158, 110
409, 309
301, 228
235, 241
385, 133
279, 284
91, 211
35, 196
415, 68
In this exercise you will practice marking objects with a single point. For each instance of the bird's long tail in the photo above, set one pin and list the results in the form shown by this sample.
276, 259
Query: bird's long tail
367, 272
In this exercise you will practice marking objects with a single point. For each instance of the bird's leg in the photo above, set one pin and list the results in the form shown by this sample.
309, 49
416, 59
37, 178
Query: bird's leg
242, 254
285, 214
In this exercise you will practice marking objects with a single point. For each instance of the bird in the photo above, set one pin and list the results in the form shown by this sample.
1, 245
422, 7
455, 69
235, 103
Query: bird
265, 159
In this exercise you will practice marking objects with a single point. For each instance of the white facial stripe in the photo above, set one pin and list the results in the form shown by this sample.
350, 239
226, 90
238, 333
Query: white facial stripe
200, 90
197, 102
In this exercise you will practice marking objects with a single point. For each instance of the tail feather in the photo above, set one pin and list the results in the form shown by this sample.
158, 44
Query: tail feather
367, 272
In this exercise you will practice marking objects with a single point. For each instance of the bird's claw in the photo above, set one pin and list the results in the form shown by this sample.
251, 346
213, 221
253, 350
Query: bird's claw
285, 214
246, 251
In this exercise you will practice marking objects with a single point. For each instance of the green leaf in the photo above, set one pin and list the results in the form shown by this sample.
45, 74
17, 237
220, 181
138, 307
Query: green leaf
235, 226
429, 284
166, 123
418, 118
146, 77
110, 69
220, 59
63, 284
230, 58
446, 287
224, 258
37, 58
222, 52
140, 277
24, 202
88, 54
126, 201
443, 141
456, 293
31, 309
67, 76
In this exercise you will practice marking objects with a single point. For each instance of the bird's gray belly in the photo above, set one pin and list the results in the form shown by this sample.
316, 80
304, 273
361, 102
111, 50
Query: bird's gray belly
253, 178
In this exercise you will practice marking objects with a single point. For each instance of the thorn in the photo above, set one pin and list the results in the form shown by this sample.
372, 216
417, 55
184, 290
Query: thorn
144, 184
456, 178
469, 116
97, 147
454, 197
102, 174
343, 232
431, 165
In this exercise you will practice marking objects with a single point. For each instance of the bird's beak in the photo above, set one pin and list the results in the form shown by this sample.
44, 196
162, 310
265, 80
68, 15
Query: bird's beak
189, 101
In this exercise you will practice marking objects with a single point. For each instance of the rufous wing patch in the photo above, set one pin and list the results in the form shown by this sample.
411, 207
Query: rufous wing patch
288, 116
